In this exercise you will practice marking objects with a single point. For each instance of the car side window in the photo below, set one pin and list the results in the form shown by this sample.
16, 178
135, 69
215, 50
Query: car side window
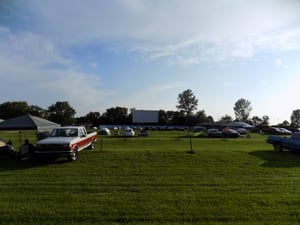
74, 133
81, 132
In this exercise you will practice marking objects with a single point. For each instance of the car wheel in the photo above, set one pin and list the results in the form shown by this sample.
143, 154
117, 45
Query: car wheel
92, 146
73, 156
277, 148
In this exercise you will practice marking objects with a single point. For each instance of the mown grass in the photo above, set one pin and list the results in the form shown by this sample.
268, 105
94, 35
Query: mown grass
153, 180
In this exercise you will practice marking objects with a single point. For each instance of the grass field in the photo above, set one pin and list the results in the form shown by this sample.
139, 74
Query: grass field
153, 180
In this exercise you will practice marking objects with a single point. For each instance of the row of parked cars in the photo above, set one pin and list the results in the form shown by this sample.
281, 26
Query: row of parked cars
276, 131
226, 132
236, 132
124, 132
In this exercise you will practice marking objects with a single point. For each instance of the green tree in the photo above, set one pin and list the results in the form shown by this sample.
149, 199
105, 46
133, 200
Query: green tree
13, 109
265, 121
256, 121
38, 111
200, 117
226, 119
187, 102
178, 118
242, 109
93, 118
165, 117
284, 123
115, 115
210, 119
295, 118
61, 113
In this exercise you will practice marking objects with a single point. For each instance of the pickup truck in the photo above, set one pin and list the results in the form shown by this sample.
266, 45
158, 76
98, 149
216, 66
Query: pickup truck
66, 141
280, 143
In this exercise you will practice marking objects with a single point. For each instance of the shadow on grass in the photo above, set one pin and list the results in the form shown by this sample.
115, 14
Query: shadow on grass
18, 164
285, 159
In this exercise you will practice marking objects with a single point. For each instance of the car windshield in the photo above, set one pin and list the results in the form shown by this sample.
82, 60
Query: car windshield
67, 132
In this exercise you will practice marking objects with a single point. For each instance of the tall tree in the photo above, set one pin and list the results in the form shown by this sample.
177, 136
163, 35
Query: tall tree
242, 109
187, 102
62, 113
295, 118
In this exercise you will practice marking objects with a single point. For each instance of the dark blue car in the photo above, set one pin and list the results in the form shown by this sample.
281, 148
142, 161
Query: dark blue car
279, 143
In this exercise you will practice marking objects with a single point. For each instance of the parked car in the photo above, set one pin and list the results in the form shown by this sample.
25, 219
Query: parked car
198, 129
214, 133
272, 130
230, 133
241, 130
143, 133
279, 143
128, 132
66, 141
285, 131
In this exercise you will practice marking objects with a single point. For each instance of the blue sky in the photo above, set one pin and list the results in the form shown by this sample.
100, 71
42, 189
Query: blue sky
141, 54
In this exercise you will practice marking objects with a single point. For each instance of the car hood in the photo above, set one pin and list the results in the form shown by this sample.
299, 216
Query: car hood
57, 140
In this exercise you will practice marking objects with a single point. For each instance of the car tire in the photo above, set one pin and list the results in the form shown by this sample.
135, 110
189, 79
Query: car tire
92, 146
73, 156
277, 147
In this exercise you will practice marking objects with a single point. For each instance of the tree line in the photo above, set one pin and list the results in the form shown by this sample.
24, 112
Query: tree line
63, 113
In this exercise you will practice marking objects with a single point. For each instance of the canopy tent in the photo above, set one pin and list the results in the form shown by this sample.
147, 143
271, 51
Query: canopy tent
28, 122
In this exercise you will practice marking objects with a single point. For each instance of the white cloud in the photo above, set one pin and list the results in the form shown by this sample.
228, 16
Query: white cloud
33, 69
28, 49
197, 51
187, 32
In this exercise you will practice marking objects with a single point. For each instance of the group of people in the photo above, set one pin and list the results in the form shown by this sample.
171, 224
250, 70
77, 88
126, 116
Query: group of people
26, 150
